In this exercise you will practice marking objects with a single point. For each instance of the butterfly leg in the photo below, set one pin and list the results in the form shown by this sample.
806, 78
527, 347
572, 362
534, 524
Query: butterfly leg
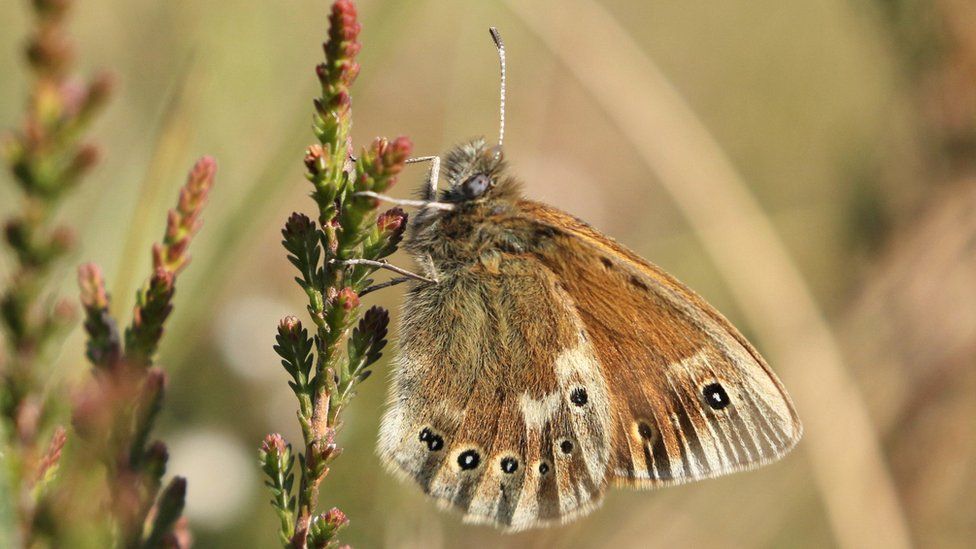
388, 266
400, 280
431, 190
387, 284
407, 202
432, 175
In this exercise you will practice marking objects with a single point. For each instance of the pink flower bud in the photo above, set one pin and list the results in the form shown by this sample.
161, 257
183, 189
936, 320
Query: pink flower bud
391, 221
290, 325
348, 299
92, 284
274, 445
315, 159
335, 518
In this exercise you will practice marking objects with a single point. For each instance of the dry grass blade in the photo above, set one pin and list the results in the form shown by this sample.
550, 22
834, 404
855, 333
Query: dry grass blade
846, 456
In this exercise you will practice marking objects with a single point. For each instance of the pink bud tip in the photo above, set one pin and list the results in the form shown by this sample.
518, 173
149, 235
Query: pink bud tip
274, 444
391, 220
348, 299
313, 157
92, 285
335, 518
290, 324
203, 171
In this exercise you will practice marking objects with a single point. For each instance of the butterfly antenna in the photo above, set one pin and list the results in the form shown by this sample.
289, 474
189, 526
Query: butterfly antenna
501, 102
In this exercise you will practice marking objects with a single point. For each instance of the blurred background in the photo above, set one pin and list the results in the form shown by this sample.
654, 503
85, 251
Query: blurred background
808, 167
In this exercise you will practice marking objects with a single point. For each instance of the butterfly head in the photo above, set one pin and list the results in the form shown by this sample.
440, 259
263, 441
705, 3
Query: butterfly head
474, 170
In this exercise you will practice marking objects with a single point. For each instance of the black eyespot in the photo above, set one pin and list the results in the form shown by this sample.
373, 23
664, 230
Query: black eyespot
509, 465
644, 430
606, 262
578, 396
476, 185
566, 446
468, 459
543, 468
434, 441
715, 396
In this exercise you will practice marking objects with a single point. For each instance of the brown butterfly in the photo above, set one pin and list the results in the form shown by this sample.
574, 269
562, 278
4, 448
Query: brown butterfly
544, 362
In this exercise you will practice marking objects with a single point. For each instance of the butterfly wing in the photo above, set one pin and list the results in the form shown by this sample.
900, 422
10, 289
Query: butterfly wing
485, 411
690, 397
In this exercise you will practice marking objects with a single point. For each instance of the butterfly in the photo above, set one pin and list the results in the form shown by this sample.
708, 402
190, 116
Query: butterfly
544, 362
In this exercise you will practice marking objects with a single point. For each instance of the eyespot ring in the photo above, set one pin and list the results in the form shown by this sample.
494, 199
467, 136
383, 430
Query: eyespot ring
543, 467
565, 446
469, 459
644, 430
509, 464
579, 397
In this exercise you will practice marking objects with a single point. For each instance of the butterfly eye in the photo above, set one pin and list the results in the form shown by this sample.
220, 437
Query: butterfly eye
468, 459
715, 396
509, 465
476, 185
578, 396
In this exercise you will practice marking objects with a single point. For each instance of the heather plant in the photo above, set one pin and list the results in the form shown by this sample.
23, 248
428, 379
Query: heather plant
116, 412
47, 499
335, 255
48, 157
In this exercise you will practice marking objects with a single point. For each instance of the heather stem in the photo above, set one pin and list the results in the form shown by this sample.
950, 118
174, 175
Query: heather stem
335, 255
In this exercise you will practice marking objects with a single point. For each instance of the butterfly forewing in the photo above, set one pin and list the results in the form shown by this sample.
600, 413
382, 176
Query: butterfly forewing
690, 398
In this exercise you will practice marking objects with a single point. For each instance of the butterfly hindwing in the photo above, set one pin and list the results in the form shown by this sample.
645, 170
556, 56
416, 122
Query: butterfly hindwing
498, 406
690, 397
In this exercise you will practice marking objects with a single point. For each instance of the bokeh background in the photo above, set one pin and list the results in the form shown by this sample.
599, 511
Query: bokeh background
809, 167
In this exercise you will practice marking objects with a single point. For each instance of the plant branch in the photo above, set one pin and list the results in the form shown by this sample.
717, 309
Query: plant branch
118, 409
335, 255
